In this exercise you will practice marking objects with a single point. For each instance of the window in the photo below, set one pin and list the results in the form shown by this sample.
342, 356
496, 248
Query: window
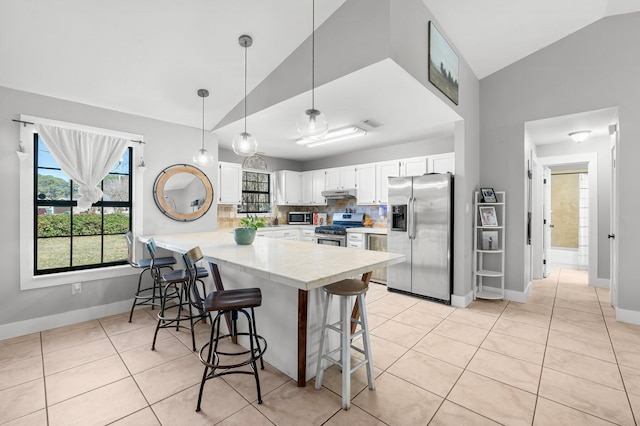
256, 195
66, 239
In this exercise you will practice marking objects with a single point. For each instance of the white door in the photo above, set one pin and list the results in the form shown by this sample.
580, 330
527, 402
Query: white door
546, 211
537, 220
614, 224
229, 183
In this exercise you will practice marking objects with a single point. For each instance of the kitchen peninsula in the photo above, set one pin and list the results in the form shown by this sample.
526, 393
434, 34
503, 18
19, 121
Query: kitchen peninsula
290, 275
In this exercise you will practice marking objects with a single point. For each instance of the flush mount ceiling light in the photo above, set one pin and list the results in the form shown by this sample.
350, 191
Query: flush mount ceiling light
244, 144
202, 157
334, 136
580, 135
312, 124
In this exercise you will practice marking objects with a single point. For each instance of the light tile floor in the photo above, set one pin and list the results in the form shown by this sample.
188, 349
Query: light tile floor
559, 359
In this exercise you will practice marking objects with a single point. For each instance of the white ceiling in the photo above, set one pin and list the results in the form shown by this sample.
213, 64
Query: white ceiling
491, 34
557, 129
149, 58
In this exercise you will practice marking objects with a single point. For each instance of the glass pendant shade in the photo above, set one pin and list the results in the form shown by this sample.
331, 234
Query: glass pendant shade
312, 124
244, 144
202, 158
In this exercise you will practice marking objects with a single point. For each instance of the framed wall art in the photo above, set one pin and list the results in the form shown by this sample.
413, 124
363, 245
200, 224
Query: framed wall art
488, 195
488, 216
443, 64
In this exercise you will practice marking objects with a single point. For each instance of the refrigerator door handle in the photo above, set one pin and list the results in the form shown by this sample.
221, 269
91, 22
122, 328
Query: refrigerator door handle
410, 218
413, 218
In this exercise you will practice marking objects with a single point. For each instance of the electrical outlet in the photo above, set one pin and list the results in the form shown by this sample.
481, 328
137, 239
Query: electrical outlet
76, 288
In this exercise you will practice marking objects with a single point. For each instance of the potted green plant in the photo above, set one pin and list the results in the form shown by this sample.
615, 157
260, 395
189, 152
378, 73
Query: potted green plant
247, 232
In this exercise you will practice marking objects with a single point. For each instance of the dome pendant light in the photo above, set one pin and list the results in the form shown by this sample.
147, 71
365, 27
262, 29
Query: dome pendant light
312, 124
202, 157
244, 144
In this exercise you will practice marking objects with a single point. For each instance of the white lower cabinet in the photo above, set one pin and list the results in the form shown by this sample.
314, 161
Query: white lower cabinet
306, 235
355, 240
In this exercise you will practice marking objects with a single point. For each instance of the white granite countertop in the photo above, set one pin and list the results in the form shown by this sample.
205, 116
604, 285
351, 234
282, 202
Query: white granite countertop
293, 263
369, 230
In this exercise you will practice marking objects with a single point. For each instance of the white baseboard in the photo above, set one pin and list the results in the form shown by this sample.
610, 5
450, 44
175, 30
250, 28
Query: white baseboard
20, 328
631, 317
518, 296
461, 301
602, 283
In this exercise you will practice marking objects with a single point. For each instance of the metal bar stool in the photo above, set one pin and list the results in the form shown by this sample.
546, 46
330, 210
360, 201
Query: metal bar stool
232, 302
181, 287
142, 295
345, 289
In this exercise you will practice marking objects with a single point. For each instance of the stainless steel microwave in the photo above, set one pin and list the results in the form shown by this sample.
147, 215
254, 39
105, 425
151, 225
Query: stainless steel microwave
300, 218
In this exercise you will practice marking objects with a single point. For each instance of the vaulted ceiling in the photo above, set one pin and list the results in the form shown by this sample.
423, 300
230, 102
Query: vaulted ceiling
149, 58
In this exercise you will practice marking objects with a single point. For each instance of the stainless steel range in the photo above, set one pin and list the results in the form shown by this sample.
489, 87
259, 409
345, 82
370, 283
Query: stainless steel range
336, 234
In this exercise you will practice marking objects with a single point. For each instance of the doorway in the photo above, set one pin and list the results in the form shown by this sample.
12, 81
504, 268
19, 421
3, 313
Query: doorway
566, 248
569, 217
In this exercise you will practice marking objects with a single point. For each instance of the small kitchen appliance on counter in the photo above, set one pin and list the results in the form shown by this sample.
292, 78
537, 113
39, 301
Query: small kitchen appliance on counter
336, 234
300, 218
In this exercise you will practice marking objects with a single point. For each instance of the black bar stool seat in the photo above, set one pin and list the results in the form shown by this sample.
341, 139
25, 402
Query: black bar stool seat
217, 362
180, 287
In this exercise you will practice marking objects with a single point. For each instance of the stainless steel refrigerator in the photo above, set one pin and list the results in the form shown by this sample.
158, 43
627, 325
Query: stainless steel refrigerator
420, 224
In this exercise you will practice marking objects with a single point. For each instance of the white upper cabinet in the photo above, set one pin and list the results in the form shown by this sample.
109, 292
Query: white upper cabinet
366, 184
383, 172
312, 187
341, 178
288, 187
413, 166
442, 163
229, 183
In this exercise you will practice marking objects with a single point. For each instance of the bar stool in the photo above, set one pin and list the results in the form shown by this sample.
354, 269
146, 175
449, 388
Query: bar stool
142, 296
345, 289
232, 302
179, 285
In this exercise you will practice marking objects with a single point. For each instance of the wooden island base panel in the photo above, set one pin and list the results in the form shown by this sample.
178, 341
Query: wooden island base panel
264, 264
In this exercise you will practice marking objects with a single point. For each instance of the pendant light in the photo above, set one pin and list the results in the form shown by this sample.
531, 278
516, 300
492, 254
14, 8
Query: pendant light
202, 157
244, 144
312, 124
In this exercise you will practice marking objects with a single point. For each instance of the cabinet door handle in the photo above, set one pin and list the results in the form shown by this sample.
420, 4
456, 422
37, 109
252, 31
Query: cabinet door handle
610, 236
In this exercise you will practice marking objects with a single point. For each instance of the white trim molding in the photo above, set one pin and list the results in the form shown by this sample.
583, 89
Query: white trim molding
625, 315
34, 325
461, 301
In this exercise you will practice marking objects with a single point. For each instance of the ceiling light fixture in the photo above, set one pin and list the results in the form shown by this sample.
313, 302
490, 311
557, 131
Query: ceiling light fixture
244, 144
202, 157
335, 136
313, 124
580, 135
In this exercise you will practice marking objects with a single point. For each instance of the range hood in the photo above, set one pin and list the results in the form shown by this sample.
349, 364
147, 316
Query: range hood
339, 194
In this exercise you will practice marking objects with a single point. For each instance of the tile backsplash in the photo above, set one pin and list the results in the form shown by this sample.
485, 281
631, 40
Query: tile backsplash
227, 217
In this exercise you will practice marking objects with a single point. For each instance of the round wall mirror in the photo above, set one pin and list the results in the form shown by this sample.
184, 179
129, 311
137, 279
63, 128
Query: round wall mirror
183, 192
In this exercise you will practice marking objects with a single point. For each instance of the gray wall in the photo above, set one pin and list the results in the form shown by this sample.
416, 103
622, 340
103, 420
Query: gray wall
273, 163
164, 141
391, 152
591, 69
601, 147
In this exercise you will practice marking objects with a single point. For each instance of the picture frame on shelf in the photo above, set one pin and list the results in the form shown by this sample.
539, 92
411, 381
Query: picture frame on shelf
490, 240
488, 216
488, 195
443, 64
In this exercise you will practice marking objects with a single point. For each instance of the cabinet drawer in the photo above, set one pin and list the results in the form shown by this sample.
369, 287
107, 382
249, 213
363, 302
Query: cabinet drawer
355, 236
308, 232
355, 244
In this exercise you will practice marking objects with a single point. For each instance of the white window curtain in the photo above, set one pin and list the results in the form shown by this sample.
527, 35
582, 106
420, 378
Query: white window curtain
85, 157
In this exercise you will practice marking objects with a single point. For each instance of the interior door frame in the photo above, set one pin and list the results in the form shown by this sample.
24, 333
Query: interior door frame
537, 217
613, 208
591, 158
